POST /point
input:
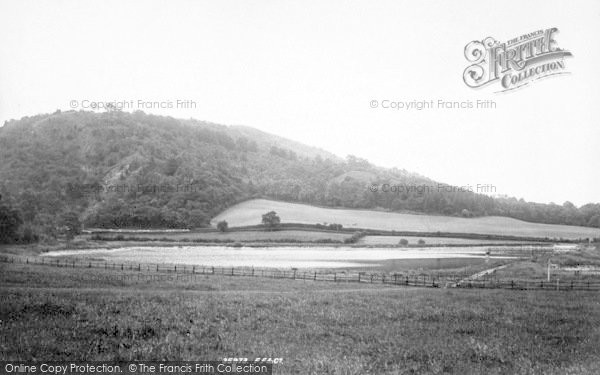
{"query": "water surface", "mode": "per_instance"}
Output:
(278, 257)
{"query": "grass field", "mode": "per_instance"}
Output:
(413, 240)
(250, 213)
(317, 328)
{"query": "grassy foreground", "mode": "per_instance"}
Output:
(317, 328)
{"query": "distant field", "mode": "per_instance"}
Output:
(317, 328)
(414, 240)
(250, 213)
(242, 236)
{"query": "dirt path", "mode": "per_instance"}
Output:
(479, 275)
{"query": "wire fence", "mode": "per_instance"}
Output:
(394, 279)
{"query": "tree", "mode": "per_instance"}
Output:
(421, 242)
(594, 221)
(271, 220)
(171, 167)
(222, 226)
(71, 224)
(404, 242)
(10, 221)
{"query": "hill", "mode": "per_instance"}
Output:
(271, 140)
(119, 169)
(249, 213)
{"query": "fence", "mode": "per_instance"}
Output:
(395, 279)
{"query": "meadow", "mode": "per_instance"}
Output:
(429, 241)
(317, 328)
(249, 213)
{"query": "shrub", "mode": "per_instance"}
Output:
(403, 242)
(355, 237)
(334, 226)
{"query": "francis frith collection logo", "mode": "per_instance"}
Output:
(514, 63)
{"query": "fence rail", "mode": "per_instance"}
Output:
(397, 279)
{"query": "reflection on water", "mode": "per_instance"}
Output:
(279, 257)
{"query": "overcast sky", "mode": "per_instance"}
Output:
(308, 70)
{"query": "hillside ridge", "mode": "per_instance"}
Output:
(119, 169)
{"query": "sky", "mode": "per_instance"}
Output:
(311, 71)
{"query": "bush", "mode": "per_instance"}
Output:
(355, 237)
(403, 242)
(421, 242)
